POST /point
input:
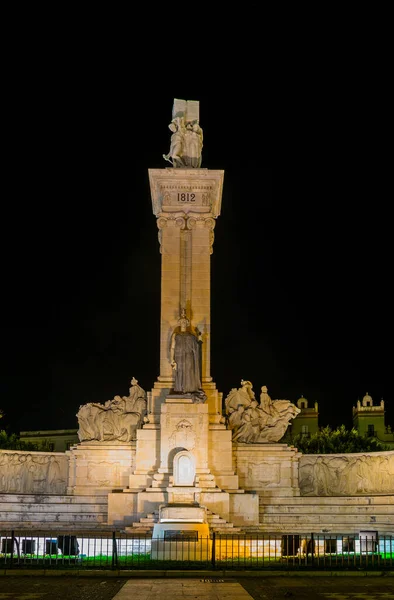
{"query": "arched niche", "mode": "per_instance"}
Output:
(184, 468)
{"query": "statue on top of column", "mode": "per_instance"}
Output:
(186, 360)
(187, 136)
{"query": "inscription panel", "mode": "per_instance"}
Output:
(185, 196)
(186, 190)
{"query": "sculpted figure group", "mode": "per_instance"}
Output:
(186, 143)
(252, 422)
(117, 419)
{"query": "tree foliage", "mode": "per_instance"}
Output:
(338, 441)
(11, 441)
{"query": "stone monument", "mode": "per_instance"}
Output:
(168, 458)
(184, 448)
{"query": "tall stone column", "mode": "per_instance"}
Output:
(186, 203)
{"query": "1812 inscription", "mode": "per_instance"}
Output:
(176, 198)
(186, 197)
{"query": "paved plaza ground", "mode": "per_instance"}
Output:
(276, 587)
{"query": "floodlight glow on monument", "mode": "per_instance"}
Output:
(182, 443)
(170, 460)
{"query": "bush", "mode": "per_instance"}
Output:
(338, 441)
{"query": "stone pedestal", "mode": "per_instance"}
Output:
(269, 469)
(100, 467)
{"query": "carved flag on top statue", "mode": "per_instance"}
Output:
(189, 109)
(186, 135)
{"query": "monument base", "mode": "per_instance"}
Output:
(269, 469)
(100, 467)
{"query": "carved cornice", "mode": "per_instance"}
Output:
(193, 190)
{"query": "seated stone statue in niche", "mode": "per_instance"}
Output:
(185, 361)
(254, 423)
(117, 419)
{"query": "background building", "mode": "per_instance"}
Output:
(55, 440)
(370, 420)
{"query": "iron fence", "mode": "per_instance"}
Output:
(116, 550)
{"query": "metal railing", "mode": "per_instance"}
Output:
(257, 551)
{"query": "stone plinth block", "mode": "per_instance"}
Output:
(227, 482)
(123, 509)
(269, 469)
(244, 509)
(150, 501)
(183, 494)
(147, 457)
(217, 502)
(220, 451)
(193, 514)
(100, 467)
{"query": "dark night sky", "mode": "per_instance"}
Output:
(302, 262)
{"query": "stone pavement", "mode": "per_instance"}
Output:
(235, 586)
(258, 588)
(188, 589)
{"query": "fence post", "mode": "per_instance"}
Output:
(213, 555)
(12, 548)
(114, 551)
(312, 549)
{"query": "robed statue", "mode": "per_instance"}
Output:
(185, 358)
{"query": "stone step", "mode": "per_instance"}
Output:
(227, 531)
(216, 520)
(44, 518)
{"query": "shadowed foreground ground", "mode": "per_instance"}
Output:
(277, 587)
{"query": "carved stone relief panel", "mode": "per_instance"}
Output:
(264, 473)
(183, 436)
(347, 474)
(103, 473)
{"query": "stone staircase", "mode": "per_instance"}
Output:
(145, 524)
(55, 513)
(215, 522)
(335, 514)
(219, 525)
